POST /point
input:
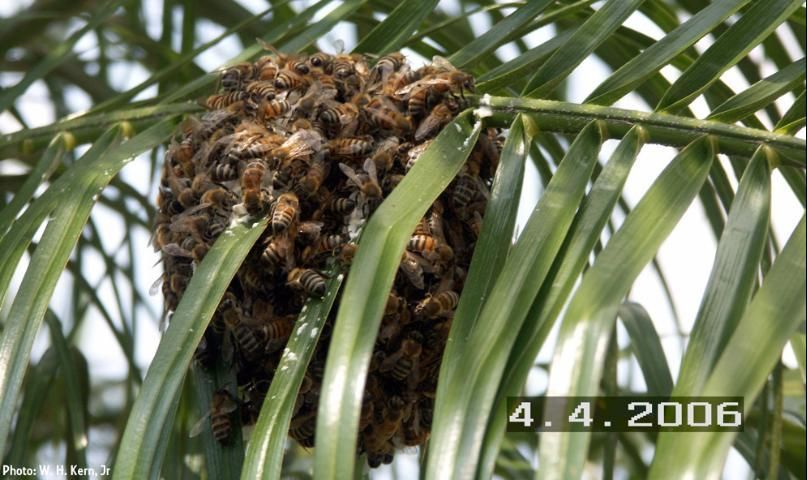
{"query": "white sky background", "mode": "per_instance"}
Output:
(686, 256)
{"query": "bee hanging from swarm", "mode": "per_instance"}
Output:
(314, 144)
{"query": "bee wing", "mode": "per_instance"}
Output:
(339, 46)
(199, 426)
(154, 289)
(228, 405)
(428, 126)
(176, 250)
(350, 173)
(442, 63)
(369, 167)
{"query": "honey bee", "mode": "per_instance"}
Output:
(261, 89)
(326, 244)
(344, 66)
(402, 362)
(272, 108)
(387, 117)
(414, 153)
(279, 252)
(301, 145)
(341, 205)
(183, 153)
(367, 183)
(430, 248)
(307, 280)
(466, 190)
(412, 269)
(314, 177)
(387, 423)
(285, 212)
(290, 80)
(308, 232)
(302, 428)
(439, 116)
(234, 76)
(339, 118)
(321, 61)
(387, 65)
(346, 254)
(298, 64)
(222, 100)
(221, 406)
(266, 68)
(253, 197)
(440, 305)
(420, 93)
(277, 331)
(384, 155)
(245, 336)
(224, 172)
(366, 415)
(203, 355)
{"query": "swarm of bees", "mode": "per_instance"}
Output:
(314, 143)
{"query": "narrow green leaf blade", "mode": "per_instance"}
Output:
(585, 40)
(733, 276)
(776, 311)
(264, 457)
(497, 34)
(367, 288)
(586, 329)
(574, 254)
(760, 94)
(162, 383)
(646, 346)
(395, 30)
(468, 383)
(56, 56)
(37, 176)
(659, 54)
(492, 246)
(756, 24)
(792, 121)
(74, 373)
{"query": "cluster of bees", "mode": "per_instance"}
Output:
(315, 143)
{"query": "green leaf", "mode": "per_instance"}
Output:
(155, 401)
(586, 329)
(760, 94)
(37, 387)
(468, 382)
(733, 277)
(264, 457)
(497, 34)
(370, 281)
(775, 312)
(520, 67)
(571, 259)
(585, 40)
(647, 347)
(55, 57)
(39, 174)
(29, 306)
(97, 122)
(395, 30)
(757, 23)
(75, 376)
(793, 120)
(659, 54)
(491, 248)
(222, 460)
